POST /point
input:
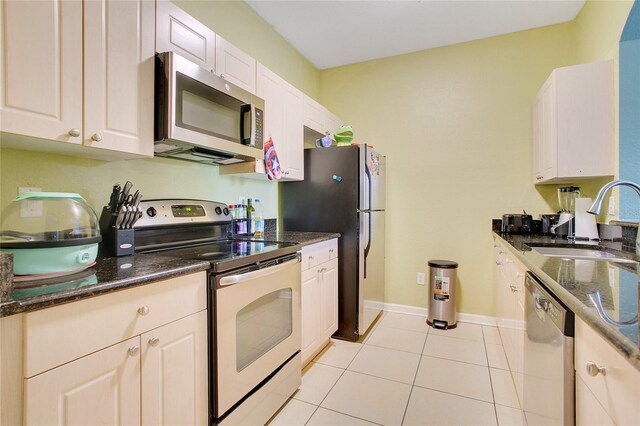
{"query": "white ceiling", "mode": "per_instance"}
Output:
(332, 33)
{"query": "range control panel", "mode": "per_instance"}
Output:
(179, 212)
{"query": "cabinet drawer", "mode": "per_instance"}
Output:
(63, 333)
(318, 253)
(619, 390)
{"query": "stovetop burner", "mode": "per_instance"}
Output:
(231, 254)
(201, 230)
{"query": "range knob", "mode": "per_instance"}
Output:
(151, 211)
(218, 211)
(225, 211)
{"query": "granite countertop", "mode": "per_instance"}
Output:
(572, 280)
(117, 273)
(302, 238)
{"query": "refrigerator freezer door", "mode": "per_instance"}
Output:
(371, 270)
(372, 179)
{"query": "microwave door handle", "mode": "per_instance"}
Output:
(245, 109)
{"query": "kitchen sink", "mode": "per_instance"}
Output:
(580, 253)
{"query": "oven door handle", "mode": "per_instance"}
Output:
(235, 279)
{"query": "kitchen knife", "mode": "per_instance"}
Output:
(121, 215)
(125, 193)
(113, 200)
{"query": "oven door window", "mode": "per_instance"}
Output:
(262, 325)
(206, 110)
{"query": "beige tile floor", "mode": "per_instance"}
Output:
(406, 373)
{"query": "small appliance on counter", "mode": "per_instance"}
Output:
(567, 198)
(517, 223)
(49, 234)
(548, 222)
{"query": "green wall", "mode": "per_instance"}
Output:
(236, 22)
(455, 124)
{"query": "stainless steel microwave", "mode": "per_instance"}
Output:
(202, 117)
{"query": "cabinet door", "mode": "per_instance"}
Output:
(332, 122)
(269, 88)
(314, 115)
(329, 298)
(118, 75)
(179, 32)
(234, 65)
(41, 69)
(549, 152)
(293, 132)
(311, 322)
(174, 373)
(100, 389)
(589, 412)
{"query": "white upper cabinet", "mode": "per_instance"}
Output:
(41, 69)
(71, 62)
(293, 132)
(573, 124)
(283, 121)
(235, 66)
(177, 31)
(332, 122)
(314, 115)
(118, 75)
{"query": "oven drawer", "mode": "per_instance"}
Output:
(63, 333)
(318, 253)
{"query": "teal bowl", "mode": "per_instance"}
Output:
(33, 261)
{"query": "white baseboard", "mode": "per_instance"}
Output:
(414, 310)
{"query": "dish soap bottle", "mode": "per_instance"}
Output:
(258, 219)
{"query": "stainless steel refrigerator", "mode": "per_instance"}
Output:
(344, 191)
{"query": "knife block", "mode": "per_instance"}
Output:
(118, 242)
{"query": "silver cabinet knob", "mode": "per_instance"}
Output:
(133, 351)
(143, 310)
(310, 257)
(96, 137)
(154, 341)
(330, 250)
(498, 263)
(223, 76)
(513, 288)
(74, 132)
(593, 369)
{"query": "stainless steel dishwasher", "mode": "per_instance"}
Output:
(549, 375)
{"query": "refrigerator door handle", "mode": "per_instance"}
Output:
(368, 246)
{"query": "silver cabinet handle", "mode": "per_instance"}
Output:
(154, 341)
(143, 310)
(74, 132)
(96, 137)
(593, 369)
(133, 351)
(513, 288)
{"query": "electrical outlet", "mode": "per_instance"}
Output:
(612, 206)
(30, 208)
(420, 278)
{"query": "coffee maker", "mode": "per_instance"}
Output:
(567, 198)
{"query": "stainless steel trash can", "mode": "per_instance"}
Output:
(442, 292)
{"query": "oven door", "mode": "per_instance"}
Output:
(256, 329)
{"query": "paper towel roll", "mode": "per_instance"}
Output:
(586, 226)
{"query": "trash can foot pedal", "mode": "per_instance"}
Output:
(442, 325)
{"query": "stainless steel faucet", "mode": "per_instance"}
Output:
(597, 204)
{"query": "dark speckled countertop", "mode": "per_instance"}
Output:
(572, 280)
(118, 273)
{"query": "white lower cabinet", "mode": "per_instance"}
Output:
(151, 366)
(174, 373)
(509, 312)
(609, 398)
(101, 388)
(319, 297)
